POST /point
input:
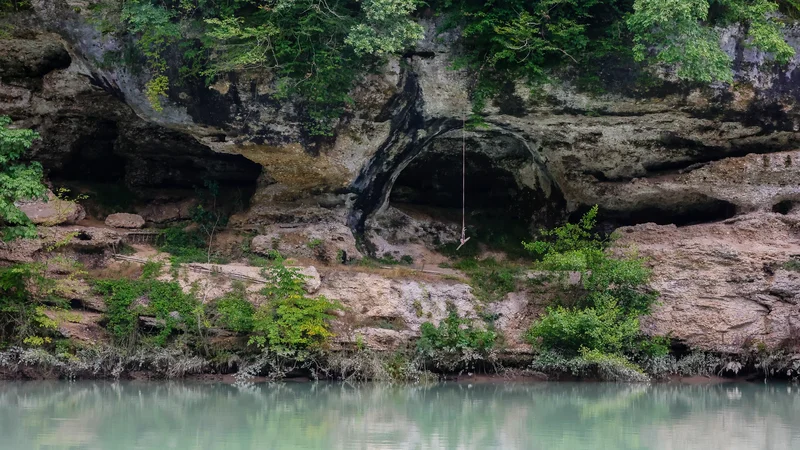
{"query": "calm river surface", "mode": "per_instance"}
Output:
(109, 416)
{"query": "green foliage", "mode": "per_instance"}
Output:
(155, 89)
(127, 299)
(234, 312)
(790, 7)
(187, 246)
(681, 34)
(576, 248)
(316, 51)
(122, 318)
(289, 322)
(385, 27)
(151, 270)
(22, 318)
(14, 5)
(155, 30)
(490, 279)
(454, 337)
(604, 316)
(17, 181)
(792, 264)
(386, 260)
(513, 40)
(604, 327)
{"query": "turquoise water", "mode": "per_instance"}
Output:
(109, 416)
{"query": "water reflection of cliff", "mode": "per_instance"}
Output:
(107, 416)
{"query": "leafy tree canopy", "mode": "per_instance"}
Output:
(318, 49)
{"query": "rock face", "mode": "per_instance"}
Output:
(326, 242)
(640, 154)
(124, 220)
(388, 312)
(727, 286)
(721, 159)
(79, 239)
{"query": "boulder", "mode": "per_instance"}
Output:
(125, 220)
(166, 212)
(54, 211)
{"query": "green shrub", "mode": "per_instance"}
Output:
(604, 316)
(151, 269)
(792, 264)
(127, 299)
(604, 327)
(455, 342)
(187, 247)
(17, 181)
(234, 312)
(14, 5)
(22, 318)
(289, 322)
(122, 319)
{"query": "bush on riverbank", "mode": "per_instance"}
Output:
(597, 323)
(22, 318)
(456, 343)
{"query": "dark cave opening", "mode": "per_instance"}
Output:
(435, 181)
(504, 196)
(700, 210)
(784, 207)
(120, 168)
(93, 158)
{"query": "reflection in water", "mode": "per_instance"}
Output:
(107, 416)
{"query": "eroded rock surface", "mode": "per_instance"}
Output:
(723, 157)
(724, 286)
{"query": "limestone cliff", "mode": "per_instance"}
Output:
(708, 177)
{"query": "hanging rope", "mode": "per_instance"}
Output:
(464, 237)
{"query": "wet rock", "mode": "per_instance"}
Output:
(124, 220)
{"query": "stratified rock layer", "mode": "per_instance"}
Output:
(728, 286)
(721, 159)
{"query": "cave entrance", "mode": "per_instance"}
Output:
(126, 167)
(507, 192)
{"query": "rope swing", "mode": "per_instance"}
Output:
(464, 237)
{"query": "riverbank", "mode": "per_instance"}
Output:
(170, 364)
